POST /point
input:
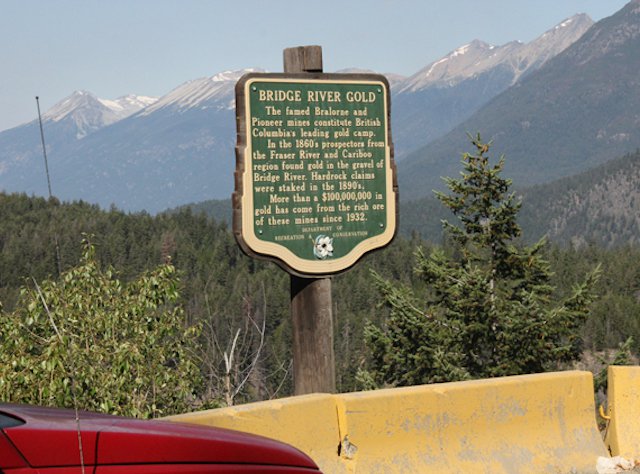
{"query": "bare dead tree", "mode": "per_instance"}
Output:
(229, 367)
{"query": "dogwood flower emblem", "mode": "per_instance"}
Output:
(323, 247)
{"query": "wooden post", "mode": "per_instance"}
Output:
(312, 322)
(311, 303)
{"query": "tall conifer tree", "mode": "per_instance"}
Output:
(488, 307)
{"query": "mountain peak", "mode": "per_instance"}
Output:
(90, 113)
(462, 63)
(551, 43)
(577, 18)
(451, 68)
(577, 110)
(609, 34)
(202, 93)
(76, 101)
(477, 57)
(84, 110)
(226, 76)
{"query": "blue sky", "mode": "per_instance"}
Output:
(112, 48)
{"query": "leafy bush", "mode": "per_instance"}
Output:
(91, 341)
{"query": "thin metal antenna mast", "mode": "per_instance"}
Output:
(44, 148)
(46, 167)
(55, 237)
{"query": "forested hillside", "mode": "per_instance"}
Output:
(600, 206)
(221, 287)
(227, 292)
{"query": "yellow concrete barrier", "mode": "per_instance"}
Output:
(527, 424)
(543, 423)
(308, 422)
(623, 400)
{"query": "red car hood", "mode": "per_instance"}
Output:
(49, 437)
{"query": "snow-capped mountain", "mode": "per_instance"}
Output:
(551, 43)
(577, 111)
(449, 90)
(476, 58)
(216, 91)
(180, 148)
(463, 63)
(88, 113)
(177, 149)
(70, 121)
(128, 104)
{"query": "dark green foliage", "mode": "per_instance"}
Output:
(600, 206)
(217, 209)
(225, 291)
(221, 289)
(488, 308)
(615, 315)
(622, 356)
(416, 347)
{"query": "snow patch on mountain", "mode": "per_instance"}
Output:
(89, 113)
(462, 63)
(551, 43)
(477, 57)
(216, 91)
(461, 50)
(129, 104)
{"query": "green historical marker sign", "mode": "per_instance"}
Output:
(315, 182)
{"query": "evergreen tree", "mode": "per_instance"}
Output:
(487, 308)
